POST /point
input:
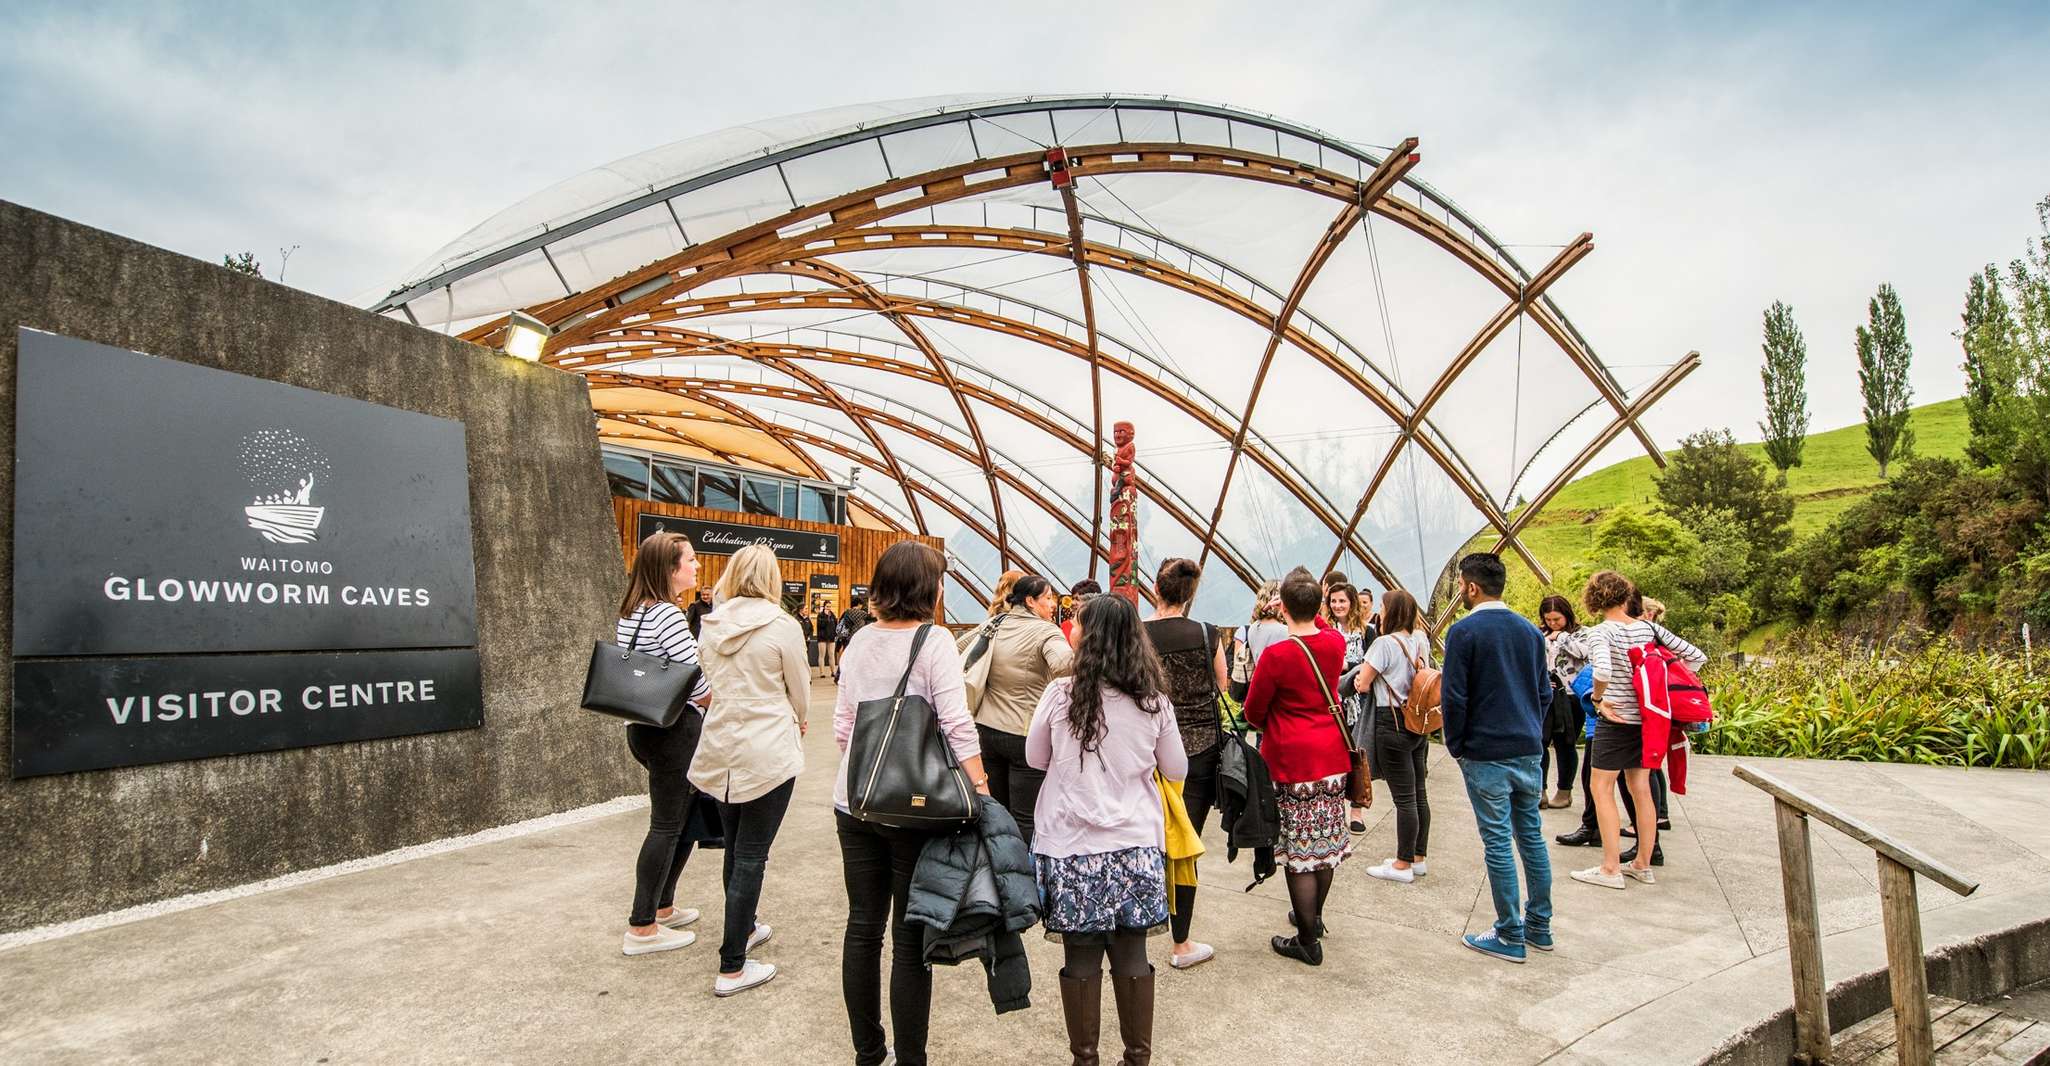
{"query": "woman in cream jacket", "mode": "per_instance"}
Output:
(752, 750)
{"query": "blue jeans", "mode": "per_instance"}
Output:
(1505, 795)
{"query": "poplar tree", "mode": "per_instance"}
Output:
(1785, 376)
(1883, 358)
(1988, 337)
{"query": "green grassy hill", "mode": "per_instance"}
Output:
(1835, 472)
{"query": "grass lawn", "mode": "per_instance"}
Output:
(1835, 472)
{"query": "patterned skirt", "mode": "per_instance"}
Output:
(1097, 895)
(1313, 831)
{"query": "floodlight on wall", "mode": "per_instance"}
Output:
(525, 336)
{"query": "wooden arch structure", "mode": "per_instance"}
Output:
(640, 284)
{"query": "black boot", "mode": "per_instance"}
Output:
(1658, 854)
(1582, 837)
(1135, 1016)
(1082, 1006)
(1293, 948)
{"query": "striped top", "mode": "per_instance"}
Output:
(1608, 650)
(664, 631)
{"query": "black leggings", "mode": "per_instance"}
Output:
(1013, 782)
(1404, 758)
(666, 754)
(878, 862)
(750, 829)
(1127, 951)
(1562, 736)
(1199, 795)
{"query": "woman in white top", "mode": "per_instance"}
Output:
(665, 567)
(1618, 747)
(1401, 757)
(878, 860)
(751, 752)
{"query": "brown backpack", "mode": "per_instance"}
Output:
(1420, 712)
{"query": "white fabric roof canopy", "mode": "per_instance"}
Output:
(893, 286)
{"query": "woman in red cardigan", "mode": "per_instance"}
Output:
(1289, 702)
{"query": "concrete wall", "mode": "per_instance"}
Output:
(548, 578)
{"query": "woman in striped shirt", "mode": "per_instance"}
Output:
(1618, 746)
(665, 567)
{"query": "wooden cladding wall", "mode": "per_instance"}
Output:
(859, 548)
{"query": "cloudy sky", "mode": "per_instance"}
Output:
(1722, 159)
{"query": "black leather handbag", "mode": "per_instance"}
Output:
(636, 686)
(900, 769)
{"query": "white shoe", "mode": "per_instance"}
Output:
(659, 940)
(760, 936)
(1387, 872)
(752, 975)
(1644, 876)
(1593, 875)
(683, 916)
(1197, 955)
(1420, 868)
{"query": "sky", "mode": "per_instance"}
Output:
(1723, 156)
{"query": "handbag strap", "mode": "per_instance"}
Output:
(633, 643)
(1330, 703)
(916, 642)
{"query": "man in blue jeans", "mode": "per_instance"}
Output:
(1495, 691)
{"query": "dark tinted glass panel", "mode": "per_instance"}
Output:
(762, 497)
(672, 484)
(627, 474)
(789, 508)
(718, 491)
(814, 505)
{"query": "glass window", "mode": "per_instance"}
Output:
(627, 474)
(789, 508)
(762, 496)
(721, 492)
(815, 505)
(672, 484)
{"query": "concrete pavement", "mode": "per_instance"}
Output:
(509, 951)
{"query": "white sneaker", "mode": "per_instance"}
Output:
(760, 936)
(1420, 868)
(659, 940)
(1387, 872)
(1197, 955)
(1645, 875)
(752, 974)
(1593, 875)
(683, 916)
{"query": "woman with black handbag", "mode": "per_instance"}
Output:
(665, 567)
(878, 859)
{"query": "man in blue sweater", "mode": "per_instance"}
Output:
(1495, 691)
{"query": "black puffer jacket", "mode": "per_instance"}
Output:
(974, 893)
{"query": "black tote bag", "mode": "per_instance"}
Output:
(900, 769)
(636, 686)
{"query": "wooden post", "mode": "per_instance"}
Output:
(1804, 936)
(1905, 974)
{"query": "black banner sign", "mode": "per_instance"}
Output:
(90, 714)
(161, 506)
(825, 581)
(725, 538)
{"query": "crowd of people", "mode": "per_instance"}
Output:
(1101, 745)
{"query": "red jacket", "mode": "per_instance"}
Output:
(1298, 737)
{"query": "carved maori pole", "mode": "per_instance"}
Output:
(1124, 517)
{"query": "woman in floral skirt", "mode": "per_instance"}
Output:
(1289, 701)
(1100, 832)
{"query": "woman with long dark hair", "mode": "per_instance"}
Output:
(878, 860)
(1192, 661)
(1101, 856)
(1401, 757)
(1564, 656)
(665, 567)
(1026, 653)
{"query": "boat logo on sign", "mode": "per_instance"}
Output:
(284, 468)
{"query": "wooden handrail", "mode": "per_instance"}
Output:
(1859, 831)
(1898, 864)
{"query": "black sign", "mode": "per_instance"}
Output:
(825, 581)
(725, 538)
(89, 714)
(165, 507)
(793, 595)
